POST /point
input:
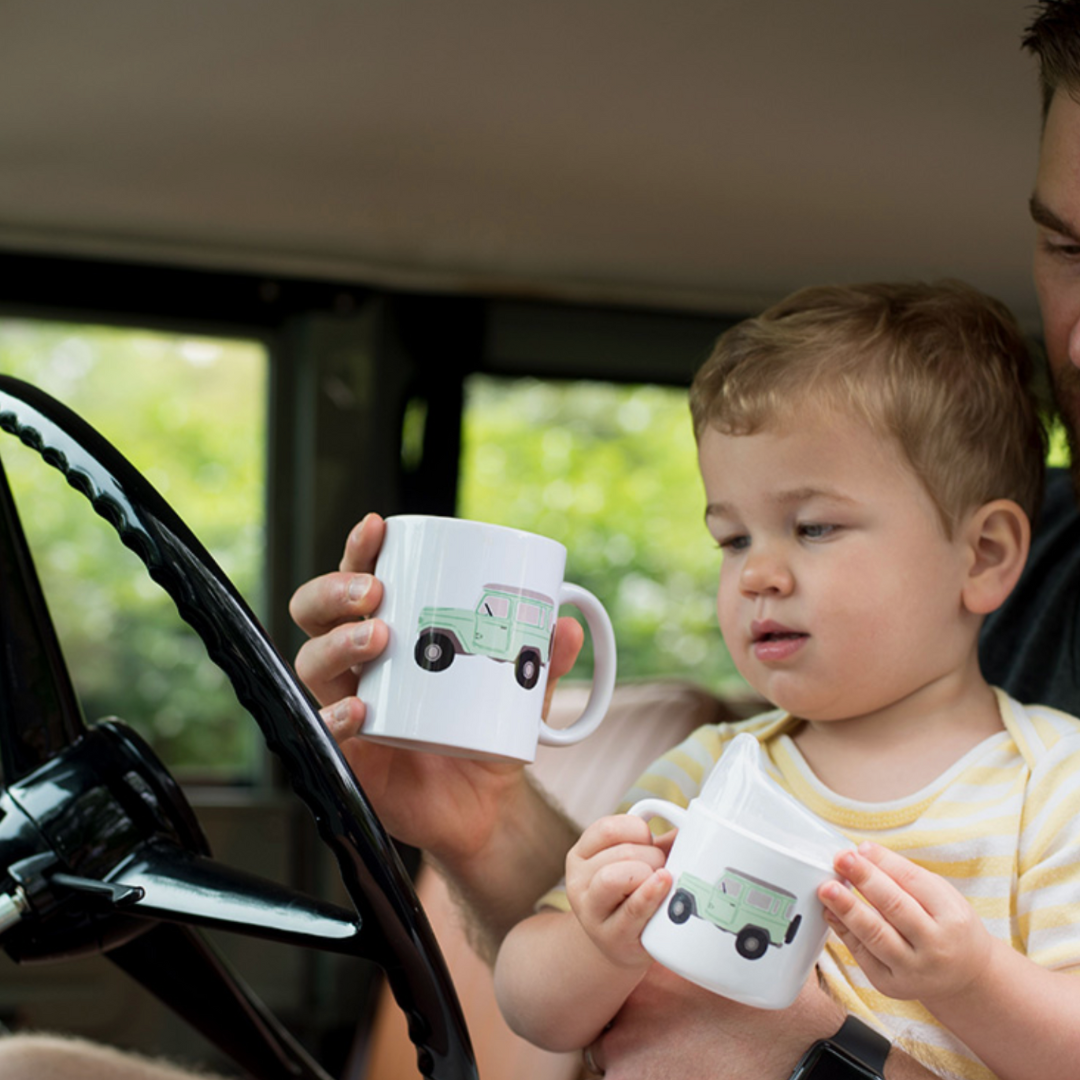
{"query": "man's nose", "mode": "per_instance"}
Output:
(766, 572)
(1074, 344)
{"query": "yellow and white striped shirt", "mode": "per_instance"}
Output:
(1002, 825)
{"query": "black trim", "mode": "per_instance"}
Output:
(95, 290)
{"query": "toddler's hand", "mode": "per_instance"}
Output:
(615, 880)
(916, 937)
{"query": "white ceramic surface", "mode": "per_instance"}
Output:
(471, 610)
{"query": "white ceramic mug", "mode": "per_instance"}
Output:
(742, 917)
(471, 609)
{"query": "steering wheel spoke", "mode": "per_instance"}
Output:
(180, 968)
(167, 882)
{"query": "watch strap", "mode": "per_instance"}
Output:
(863, 1043)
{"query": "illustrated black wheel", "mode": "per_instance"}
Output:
(434, 651)
(527, 668)
(138, 879)
(751, 942)
(792, 930)
(680, 906)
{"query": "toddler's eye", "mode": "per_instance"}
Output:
(734, 543)
(815, 531)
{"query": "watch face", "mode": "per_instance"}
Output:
(825, 1062)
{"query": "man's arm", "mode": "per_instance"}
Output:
(670, 1027)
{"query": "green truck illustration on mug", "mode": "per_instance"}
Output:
(508, 624)
(757, 913)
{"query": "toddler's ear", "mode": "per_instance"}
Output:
(998, 535)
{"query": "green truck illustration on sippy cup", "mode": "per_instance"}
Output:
(757, 913)
(507, 624)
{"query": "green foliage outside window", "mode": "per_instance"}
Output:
(189, 413)
(611, 472)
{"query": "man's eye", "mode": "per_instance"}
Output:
(1061, 248)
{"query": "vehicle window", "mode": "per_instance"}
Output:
(530, 614)
(190, 413)
(731, 888)
(761, 900)
(611, 472)
(495, 607)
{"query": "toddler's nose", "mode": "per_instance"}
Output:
(765, 572)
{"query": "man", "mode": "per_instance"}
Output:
(503, 845)
(1030, 645)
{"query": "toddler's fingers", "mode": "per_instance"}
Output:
(618, 881)
(932, 892)
(860, 926)
(641, 904)
(884, 892)
(615, 830)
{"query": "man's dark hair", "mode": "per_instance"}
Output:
(1054, 37)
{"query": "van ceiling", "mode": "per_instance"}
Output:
(701, 155)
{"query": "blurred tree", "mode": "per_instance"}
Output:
(611, 472)
(189, 413)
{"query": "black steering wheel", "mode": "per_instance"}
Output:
(100, 851)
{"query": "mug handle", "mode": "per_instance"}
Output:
(661, 808)
(603, 683)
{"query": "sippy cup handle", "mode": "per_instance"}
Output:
(661, 808)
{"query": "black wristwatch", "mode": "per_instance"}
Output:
(855, 1052)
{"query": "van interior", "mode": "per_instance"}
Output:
(389, 200)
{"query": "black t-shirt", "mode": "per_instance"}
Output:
(1030, 646)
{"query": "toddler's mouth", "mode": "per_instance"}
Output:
(776, 644)
(770, 631)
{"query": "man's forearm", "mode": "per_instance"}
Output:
(525, 857)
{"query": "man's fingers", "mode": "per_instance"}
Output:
(344, 718)
(351, 592)
(569, 637)
(362, 546)
(332, 599)
(329, 664)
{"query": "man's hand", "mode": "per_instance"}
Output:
(500, 843)
(615, 880)
(915, 936)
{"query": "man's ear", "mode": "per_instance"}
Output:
(998, 536)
